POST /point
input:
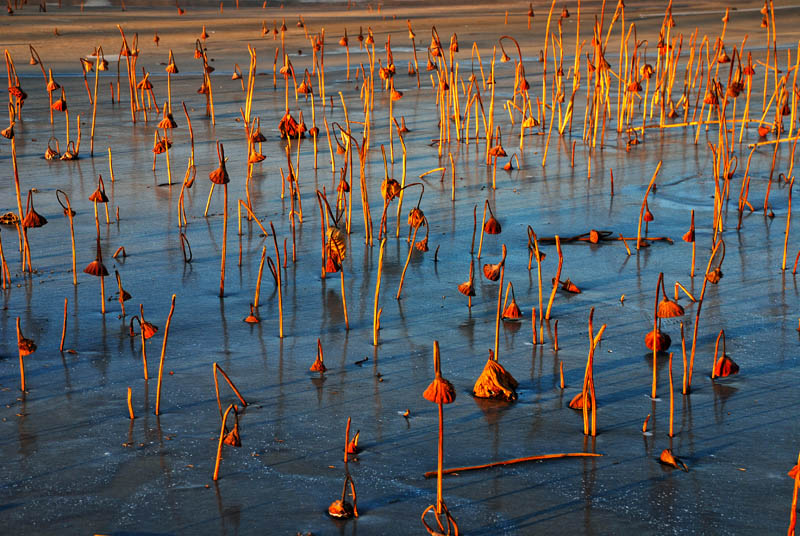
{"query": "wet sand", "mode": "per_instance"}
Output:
(75, 463)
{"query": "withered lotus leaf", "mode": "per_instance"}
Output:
(491, 271)
(594, 236)
(390, 189)
(26, 346)
(467, 288)
(668, 458)
(148, 329)
(337, 241)
(663, 341)
(793, 471)
(256, 157)
(352, 445)
(669, 309)
(33, 219)
(512, 312)
(220, 175)
(318, 366)
(495, 382)
(232, 438)
(492, 226)
(440, 391)
(578, 401)
(416, 217)
(571, 287)
(714, 275)
(96, 268)
(8, 133)
(168, 121)
(689, 236)
(725, 366)
(341, 509)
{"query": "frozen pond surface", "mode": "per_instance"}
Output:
(75, 463)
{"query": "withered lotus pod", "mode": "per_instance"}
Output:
(524, 85)
(723, 57)
(9, 218)
(710, 98)
(396, 95)
(313, 132)
(495, 382)
(385, 73)
(26, 346)
(370, 40)
(343, 186)
(422, 245)
(431, 66)
(648, 216)
(161, 145)
(492, 226)
(785, 110)
(492, 271)
(508, 166)
(565, 13)
(440, 391)
(668, 458)
(8, 133)
(504, 58)
(725, 366)
(220, 175)
(454, 44)
(390, 189)
(647, 70)
(236, 75)
(541, 56)
(669, 309)
(203, 89)
(318, 365)
(204, 35)
(341, 509)
(578, 401)
(793, 471)
(530, 10)
(303, 88)
(764, 22)
(343, 40)
(689, 236)
(168, 121)
(594, 236)
(512, 312)
(663, 341)
(749, 71)
(415, 217)
(714, 275)
(467, 288)
(283, 25)
(530, 122)
(763, 130)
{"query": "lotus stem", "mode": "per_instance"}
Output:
(163, 354)
(219, 444)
